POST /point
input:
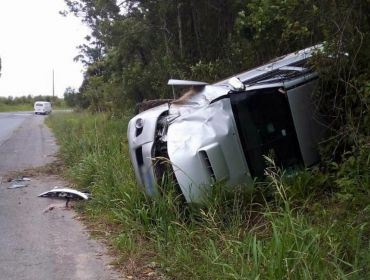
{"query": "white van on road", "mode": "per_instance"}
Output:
(42, 107)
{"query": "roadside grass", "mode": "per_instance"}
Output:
(14, 108)
(310, 225)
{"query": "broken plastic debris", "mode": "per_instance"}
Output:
(67, 193)
(17, 186)
(18, 182)
(21, 179)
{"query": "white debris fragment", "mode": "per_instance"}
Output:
(17, 186)
(21, 179)
(67, 193)
(26, 179)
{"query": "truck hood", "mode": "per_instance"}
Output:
(203, 147)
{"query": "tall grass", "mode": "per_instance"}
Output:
(277, 232)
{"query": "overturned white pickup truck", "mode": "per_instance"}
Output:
(222, 131)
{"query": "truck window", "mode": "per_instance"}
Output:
(265, 127)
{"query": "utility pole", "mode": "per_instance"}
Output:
(53, 84)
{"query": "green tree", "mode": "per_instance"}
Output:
(137, 45)
(70, 96)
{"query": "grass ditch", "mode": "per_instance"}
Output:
(312, 225)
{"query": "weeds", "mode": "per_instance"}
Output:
(290, 227)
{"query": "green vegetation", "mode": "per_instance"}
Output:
(25, 103)
(314, 225)
(15, 108)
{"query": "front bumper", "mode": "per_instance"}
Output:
(141, 142)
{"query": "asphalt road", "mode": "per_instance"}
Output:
(39, 237)
(25, 141)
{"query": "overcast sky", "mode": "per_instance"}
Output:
(34, 40)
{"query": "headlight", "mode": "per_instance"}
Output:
(139, 123)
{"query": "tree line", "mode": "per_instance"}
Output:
(135, 46)
(30, 100)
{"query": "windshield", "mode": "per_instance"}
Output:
(266, 128)
(39, 105)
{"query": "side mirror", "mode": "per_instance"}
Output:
(236, 84)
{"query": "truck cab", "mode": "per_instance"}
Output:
(222, 132)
